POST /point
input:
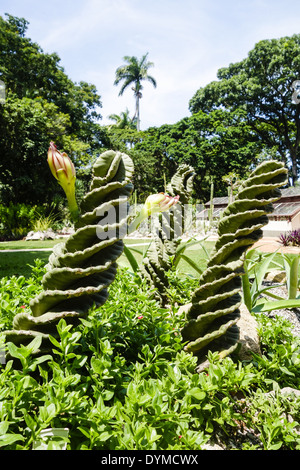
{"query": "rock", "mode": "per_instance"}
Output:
(29, 235)
(276, 276)
(286, 391)
(41, 235)
(183, 309)
(249, 338)
(211, 446)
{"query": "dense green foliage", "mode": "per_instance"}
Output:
(121, 380)
(213, 144)
(237, 121)
(42, 104)
(259, 93)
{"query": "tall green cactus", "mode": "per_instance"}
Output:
(181, 184)
(214, 309)
(168, 232)
(81, 268)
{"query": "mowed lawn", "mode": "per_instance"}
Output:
(14, 260)
(19, 262)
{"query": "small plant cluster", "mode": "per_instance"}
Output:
(121, 380)
(16, 220)
(15, 292)
(291, 238)
(256, 295)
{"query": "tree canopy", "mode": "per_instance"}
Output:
(260, 90)
(42, 104)
(247, 115)
(215, 144)
(134, 72)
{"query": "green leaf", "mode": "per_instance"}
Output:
(55, 342)
(14, 351)
(247, 288)
(132, 260)
(31, 423)
(275, 446)
(47, 413)
(197, 393)
(266, 306)
(97, 365)
(29, 382)
(85, 431)
(3, 427)
(291, 264)
(260, 273)
(107, 395)
(42, 359)
(8, 439)
(192, 264)
(286, 371)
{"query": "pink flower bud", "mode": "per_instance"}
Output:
(63, 170)
(60, 165)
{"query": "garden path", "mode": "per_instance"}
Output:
(270, 244)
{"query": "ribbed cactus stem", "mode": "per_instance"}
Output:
(214, 309)
(80, 270)
(167, 236)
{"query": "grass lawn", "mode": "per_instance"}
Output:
(28, 245)
(18, 262)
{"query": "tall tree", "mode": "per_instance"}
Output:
(42, 104)
(122, 121)
(134, 73)
(262, 87)
(214, 144)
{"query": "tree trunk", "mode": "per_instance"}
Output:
(137, 112)
(293, 156)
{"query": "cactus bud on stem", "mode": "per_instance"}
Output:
(63, 170)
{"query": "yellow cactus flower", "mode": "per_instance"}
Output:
(154, 203)
(160, 202)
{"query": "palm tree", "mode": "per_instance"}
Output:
(122, 120)
(134, 73)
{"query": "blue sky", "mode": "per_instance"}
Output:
(188, 41)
